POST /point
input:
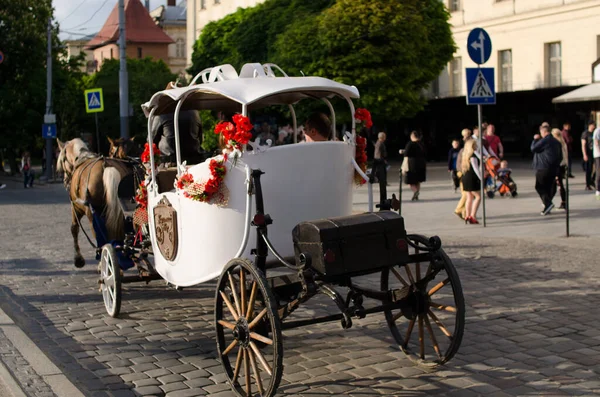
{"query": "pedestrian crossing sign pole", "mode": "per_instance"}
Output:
(94, 103)
(480, 88)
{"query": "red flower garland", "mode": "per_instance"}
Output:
(145, 156)
(361, 159)
(142, 196)
(237, 133)
(363, 114)
(209, 191)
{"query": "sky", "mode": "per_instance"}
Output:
(83, 17)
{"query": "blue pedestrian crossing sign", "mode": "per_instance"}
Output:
(480, 86)
(49, 131)
(93, 100)
(479, 46)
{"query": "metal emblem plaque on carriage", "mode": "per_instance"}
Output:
(275, 225)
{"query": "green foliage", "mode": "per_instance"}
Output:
(146, 77)
(23, 27)
(249, 34)
(391, 50)
(210, 140)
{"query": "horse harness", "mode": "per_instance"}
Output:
(89, 166)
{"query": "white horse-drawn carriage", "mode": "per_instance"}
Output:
(275, 225)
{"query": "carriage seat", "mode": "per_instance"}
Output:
(165, 179)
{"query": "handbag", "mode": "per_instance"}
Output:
(404, 166)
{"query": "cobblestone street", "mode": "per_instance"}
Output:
(532, 326)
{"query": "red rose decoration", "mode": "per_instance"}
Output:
(363, 114)
(145, 156)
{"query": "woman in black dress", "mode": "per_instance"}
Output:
(471, 180)
(415, 158)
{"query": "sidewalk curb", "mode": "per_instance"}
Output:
(7, 382)
(41, 364)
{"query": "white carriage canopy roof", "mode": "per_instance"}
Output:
(255, 92)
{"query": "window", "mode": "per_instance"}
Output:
(139, 52)
(180, 48)
(553, 65)
(111, 54)
(203, 4)
(505, 60)
(454, 5)
(456, 76)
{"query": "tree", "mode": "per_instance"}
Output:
(146, 77)
(390, 50)
(249, 34)
(23, 26)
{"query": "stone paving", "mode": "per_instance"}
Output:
(532, 324)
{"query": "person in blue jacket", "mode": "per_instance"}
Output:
(547, 156)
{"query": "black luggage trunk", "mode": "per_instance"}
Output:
(352, 245)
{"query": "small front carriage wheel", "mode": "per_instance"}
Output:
(430, 322)
(110, 280)
(248, 330)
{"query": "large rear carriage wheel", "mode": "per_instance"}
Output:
(110, 280)
(248, 330)
(429, 327)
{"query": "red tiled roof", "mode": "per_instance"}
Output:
(139, 27)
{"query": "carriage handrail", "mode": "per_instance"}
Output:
(176, 123)
(248, 182)
(150, 140)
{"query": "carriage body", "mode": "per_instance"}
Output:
(302, 180)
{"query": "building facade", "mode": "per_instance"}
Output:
(540, 49)
(171, 18)
(144, 38)
(536, 44)
(201, 12)
(76, 47)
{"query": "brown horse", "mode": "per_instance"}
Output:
(92, 182)
(120, 147)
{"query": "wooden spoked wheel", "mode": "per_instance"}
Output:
(248, 330)
(110, 280)
(429, 327)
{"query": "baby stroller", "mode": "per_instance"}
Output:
(498, 179)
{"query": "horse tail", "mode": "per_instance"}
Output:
(114, 211)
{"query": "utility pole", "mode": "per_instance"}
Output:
(123, 79)
(49, 118)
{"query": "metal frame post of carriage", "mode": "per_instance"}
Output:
(322, 248)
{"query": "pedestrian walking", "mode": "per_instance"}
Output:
(547, 156)
(562, 171)
(460, 207)
(471, 180)
(452, 157)
(587, 143)
(568, 139)
(596, 153)
(493, 141)
(380, 166)
(28, 174)
(414, 164)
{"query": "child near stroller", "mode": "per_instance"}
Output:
(504, 182)
(498, 178)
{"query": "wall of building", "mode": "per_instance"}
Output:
(155, 51)
(201, 12)
(525, 27)
(177, 60)
(76, 47)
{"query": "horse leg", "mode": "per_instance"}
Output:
(75, 217)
